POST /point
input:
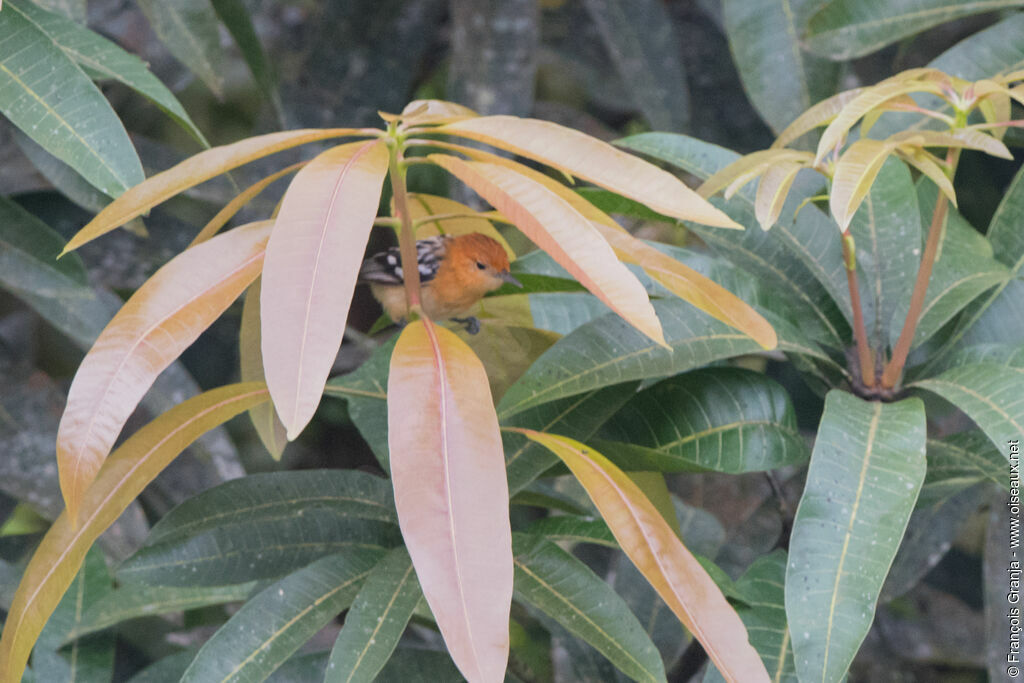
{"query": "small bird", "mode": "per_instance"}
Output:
(455, 273)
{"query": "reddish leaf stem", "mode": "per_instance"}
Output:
(867, 365)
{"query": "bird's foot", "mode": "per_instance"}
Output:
(472, 324)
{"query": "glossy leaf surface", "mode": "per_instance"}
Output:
(189, 29)
(44, 93)
(272, 625)
(312, 264)
(162, 318)
(568, 591)
(376, 620)
(866, 470)
(452, 497)
(646, 538)
(722, 419)
(123, 477)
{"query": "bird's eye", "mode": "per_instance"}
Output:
(481, 266)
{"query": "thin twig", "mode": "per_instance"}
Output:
(860, 334)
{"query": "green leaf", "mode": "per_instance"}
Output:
(779, 78)
(1004, 229)
(723, 419)
(56, 289)
(866, 470)
(577, 417)
(610, 202)
(996, 49)
(793, 259)
(641, 40)
(72, 9)
(64, 179)
(189, 30)
(166, 670)
(574, 529)
(106, 60)
(238, 22)
(132, 601)
(366, 392)
(959, 461)
(845, 29)
(567, 591)
(1001, 353)
(765, 619)
(260, 498)
(279, 620)
(85, 661)
(45, 94)
(989, 393)
(608, 351)
(930, 534)
(245, 530)
(964, 270)
(887, 231)
(376, 620)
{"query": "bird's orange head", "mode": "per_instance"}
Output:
(479, 262)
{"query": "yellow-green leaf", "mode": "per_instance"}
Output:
(313, 260)
(649, 542)
(194, 170)
(854, 174)
(159, 321)
(123, 477)
(448, 470)
(746, 168)
(429, 112)
(591, 159)
(773, 190)
(928, 166)
(559, 229)
(818, 115)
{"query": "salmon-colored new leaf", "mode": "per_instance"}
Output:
(448, 470)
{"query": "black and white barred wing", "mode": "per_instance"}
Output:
(386, 267)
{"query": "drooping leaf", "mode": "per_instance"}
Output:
(155, 325)
(866, 471)
(854, 176)
(272, 625)
(658, 553)
(772, 192)
(108, 61)
(124, 475)
(426, 112)
(250, 360)
(189, 30)
(990, 395)
(450, 490)
(1004, 231)
(558, 228)
(722, 419)
(313, 260)
(781, 80)
(821, 114)
(567, 591)
(642, 43)
(607, 351)
(134, 601)
(588, 158)
(845, 29)
(795, 258)
(744, 169)
(677, 277)
(193, 171)
(45, 94)
(765, 619)
(376, 620)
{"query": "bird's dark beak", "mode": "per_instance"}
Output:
(507, 277)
